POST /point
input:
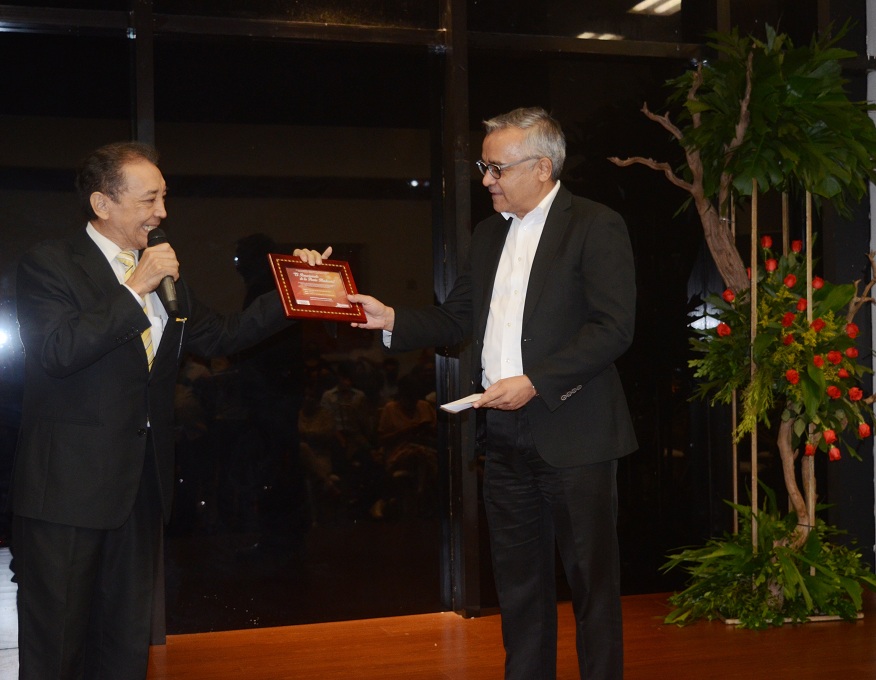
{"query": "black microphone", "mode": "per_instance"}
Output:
(167, 288)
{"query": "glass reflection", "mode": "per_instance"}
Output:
(308, 474)
(659, 20)
(398, 13)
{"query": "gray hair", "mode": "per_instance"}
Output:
(544, 136)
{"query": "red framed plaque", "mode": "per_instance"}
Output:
(316, 291)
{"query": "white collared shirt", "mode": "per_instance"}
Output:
(502, 355)
(154, 309)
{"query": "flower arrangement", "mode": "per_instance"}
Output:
(802, 363)
(808, 368)
(769, 116)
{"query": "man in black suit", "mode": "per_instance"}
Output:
(548, 300)
(93, 473)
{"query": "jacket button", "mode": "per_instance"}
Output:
(141, 432)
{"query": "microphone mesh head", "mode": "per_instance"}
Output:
(155, 237)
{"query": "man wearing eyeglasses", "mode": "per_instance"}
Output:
(548, 300)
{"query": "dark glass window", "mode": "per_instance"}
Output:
(398, 13)
(308, 470)
(657, 20)
(65, 96)
(69, 4)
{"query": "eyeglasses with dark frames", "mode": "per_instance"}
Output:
(495, 170)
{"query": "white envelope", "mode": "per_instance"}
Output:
(461, 404)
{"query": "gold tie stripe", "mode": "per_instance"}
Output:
(126, 257)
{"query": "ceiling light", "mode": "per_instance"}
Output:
(657, 7)
(590, 35)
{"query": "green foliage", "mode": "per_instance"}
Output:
(772, 584)
(809, 370)
(803, 133)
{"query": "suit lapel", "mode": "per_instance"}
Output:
(546, 254)
(87, 256)
(492, 253)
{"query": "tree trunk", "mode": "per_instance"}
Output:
(798, 502)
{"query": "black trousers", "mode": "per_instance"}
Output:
(85, 595)
(532, 507)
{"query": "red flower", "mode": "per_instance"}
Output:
(852, 330)
(829, 436)
(818, 360)
(748, 271)
(852, 353)
(788, 319)
(809, 450)
(797, 246)
(843, 373)
(818, 324)
(766, 241)
(834, 392)
(817, 282)
(723, 330)
(855, 393)
(792, 376)
(801, 305)
(771, 265)
(728, 295)
(834, 453)
(788, 339)
(790, 280)
(863, 430)
(834, 357)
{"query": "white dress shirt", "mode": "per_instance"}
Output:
(154, 309)
(502, 355)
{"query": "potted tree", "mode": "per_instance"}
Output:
(770, 117)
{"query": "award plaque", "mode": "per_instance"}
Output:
(316, 291)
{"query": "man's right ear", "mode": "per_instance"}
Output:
(99, 204)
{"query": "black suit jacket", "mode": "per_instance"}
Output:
(88, 391)
(578, 318)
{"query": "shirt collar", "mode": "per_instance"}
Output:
(107, 247)
(541, 210)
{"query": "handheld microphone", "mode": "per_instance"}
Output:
(167, 288)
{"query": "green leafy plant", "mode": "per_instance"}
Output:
(765, 113)
(770, 583)
(801, 130)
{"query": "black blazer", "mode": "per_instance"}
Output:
(88, 392)
(578, 318)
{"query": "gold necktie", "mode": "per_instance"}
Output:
(126, 257)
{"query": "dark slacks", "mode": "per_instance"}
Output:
(532, 506)
(85, 595)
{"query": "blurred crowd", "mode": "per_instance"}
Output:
(277, 439)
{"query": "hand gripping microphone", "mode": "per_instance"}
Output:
(167, 288)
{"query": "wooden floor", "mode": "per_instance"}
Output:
(446, 646)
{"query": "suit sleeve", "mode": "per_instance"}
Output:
(444, 325)
(215, 334)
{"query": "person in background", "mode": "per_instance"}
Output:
(406, 418)
(407, 436)
(94, 470)
(548, 301)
